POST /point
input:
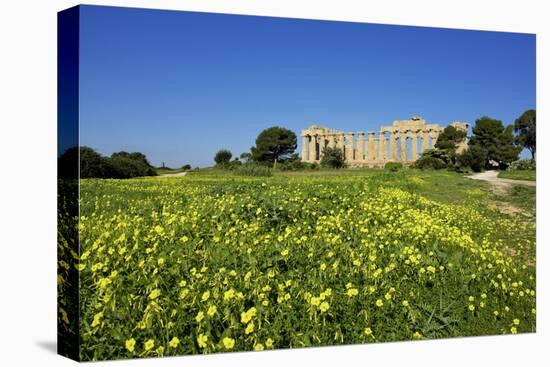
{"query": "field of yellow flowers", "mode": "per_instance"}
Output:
(203, 264)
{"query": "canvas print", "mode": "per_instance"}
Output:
(243, 183)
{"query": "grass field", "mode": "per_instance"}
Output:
(207, 262)
(529, 175)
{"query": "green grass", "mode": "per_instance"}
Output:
(319, 256)
(524, 197)
(530, 175)
(441, 185)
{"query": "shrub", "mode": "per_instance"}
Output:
(474, 157)
(234, 164)
(523, 165)
(393, 166)
(186, 167)
(124, 167)
(427, 162)
(94, 165)
(333, 158)
(292, 165)
(252, 169)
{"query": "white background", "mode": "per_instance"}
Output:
(28, 181)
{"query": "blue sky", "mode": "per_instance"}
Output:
(178, 86)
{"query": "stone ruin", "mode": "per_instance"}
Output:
(404, 141)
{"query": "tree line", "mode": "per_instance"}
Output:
(274, 147)
(492, 145)
(94, 165)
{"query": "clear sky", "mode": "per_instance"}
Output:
(178, 86)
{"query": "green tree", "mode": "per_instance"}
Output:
(133, 164)
(525, 127)
(474, 157)
(222, 157)
(333, 158)
(497, 140)
(449, 138)
(135, 156)
(275, 144)
(92, 164)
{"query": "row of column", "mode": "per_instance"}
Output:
(369, 149)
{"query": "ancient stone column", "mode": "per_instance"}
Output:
(425, 145)
(403, 146)
(341, 142)
(376, 146)
(349, 147)
(305, 157)
(313, 148)
(360, 156)
(393, 146)
(322, 143)
(414, 147)
(383, 147)
(371, 147)
(332, 141)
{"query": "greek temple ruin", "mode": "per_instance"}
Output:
(404, 141)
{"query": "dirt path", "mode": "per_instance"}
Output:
(501, 187)
(179, 174)
(492, 177)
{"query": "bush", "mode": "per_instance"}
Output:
(393, 166)
(523, 165)
(234, 164)
(94, 165)
(186, 167)
(252, 169)
(430, 163)
(333, 158)
(292, 165)
(124, 167)
(474, 157)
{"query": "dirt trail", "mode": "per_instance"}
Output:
(501, 187)
(492, 177)
(173, 174)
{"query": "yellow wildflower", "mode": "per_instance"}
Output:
(228, 343)
(202, 339)
(174, 342)
(212, 310)
(149, 344)
(130, 344)
(199, 316)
